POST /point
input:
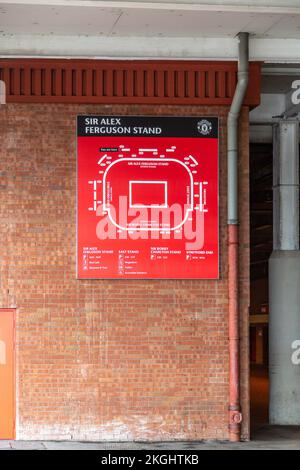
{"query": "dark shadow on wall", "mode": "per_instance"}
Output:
(261, 239)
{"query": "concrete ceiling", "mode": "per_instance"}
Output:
(148, 29)
(103, 18)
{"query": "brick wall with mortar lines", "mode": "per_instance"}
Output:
(108, 360)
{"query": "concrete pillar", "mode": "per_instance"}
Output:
(284, 278)
(286, 185)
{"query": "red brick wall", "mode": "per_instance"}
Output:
(107, 360)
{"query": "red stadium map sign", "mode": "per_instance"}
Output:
(147, 201)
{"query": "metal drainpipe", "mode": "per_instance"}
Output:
(235, 416)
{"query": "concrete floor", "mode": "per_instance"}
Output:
(263, 436)
(267, 437)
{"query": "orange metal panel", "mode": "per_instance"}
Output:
(7, 374)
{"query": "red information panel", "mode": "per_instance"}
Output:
(147, 202)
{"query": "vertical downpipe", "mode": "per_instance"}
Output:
(235, 415)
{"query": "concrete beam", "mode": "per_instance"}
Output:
(221, 48)
(117, 47)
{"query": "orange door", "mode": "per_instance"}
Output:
(7, 374)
